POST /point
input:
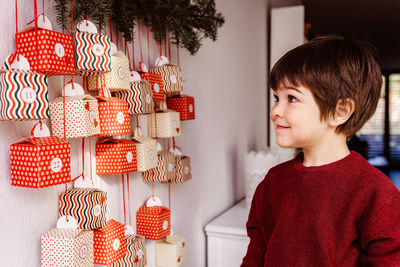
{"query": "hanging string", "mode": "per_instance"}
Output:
(140, 42)
(129, 199)
(169, 47)
(16, 17)
(148, 46)
(90, 158)
(152, 188)
(177, 53)
(165, 45)
(72, 32)
(127, 53)
(173, 143)
(35, 19)
(123, 197)
(169, 195)
(133, 51)
(43, 9)
(109, 24)
(137, 121)
(83, 158)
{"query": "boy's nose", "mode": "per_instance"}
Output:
(275, 112)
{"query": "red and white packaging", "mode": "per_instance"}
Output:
(183, 104)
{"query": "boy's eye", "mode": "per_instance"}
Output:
(292, 99)
(276, 98)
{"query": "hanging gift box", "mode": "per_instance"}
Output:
(92, 50)
(164, 123)
(136, 252)
(171, 252)
(109, 243)
(139, 98)
(87, 206)
(23, 94)
(171, 75)
(165, 169)
(41, 160)
(184, 105)
(116, 156)
(157, 85)
(115, 80)
(113, 114)
(182, 170)
(153, 220)
(77, 112)
(67, 247)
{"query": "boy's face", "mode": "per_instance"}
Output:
(296, 118)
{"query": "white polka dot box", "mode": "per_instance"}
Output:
(87, 206)
(81, 116)
(114, 116)
(157, 85)
(23, 94)
(116, 156)
(109, 243)
(183, 171)
(40, 162)
(136, 253)
(171, 251)
(153, 222)
(146, 151)
(92, 53)
(139, 98)
(171, 75)
(115, 80)
(164, 123)
(67, 247)
(183, 104)
(165, 169)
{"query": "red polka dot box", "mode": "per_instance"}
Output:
(153, 220)
(165, 169)
(139, 98)
(109, 243)
(136, 252)
(40, 162)
(116, 156)
(164, 123)
(157, 85)
(183, 104)
(171, 252)
(171, 75)
(67, 247)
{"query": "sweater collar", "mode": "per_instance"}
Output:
(298, 164)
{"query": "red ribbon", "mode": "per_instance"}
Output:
(109, 23)
(140, 42)
(148, 46)
(129, 199)
(123, 197)
(133, 51)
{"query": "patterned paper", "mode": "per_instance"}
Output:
(67, 247)
(171, 75)
(116, 156)
(182, 170)
(184, 105)
(23, 96)
(114, 116)
(81, 116)
(153, 222)
(164, 123)
(157, 85)
(109, 243)
(139, 98)
(40, 162)
(165, 169)
(136, 254)
(87, 206)
(146, 150)
(171, 252)
(47, 51)
(92, 53)
(115, 80)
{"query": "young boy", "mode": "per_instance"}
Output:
(328, 206)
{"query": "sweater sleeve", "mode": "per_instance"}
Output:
(380, 238)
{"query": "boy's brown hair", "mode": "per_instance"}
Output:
(333, 68)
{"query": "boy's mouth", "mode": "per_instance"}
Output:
(281, 127)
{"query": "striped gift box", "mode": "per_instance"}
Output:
(23, 96)
(171, 252)
(114, 116)
(136, 253)
(183, 104)
(115, 80)
(165, 169)
(92, 54)
(40, 162)
(139, 98)
(146, 151)
(182, 170)
(67, 247)
(157, 85)
(109, 243)
(87, 206)
(171, 75)
(164, 124)
(116, 156)
(47, 51)
(153, 222)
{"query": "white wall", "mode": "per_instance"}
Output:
(227, 79)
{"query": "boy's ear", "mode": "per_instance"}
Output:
(344, 109)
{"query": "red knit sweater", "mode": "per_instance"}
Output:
(346, 213)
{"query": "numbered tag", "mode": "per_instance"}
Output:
(162, 60)
(40, 130)
(186, 170)
(97, 210)
(28, 95)
(98, 50)
(116, 244)
(68, 222)
(165, 225)
(86, 26)
(129, 230)
(59, 49)
(170, 167)
(143, 67)
(148, 99)
(190, 108)
(83, 182)
(83, 251)
(121, 73)
(177, 151)
(91, 116)
(156, 88)
(174, 124)
(73, 89)
(129, 157)
(120, 117)
(113, 48)
(17, 62)
(173, 79)
(153, 202)
(134, 77)
(56, 165)
(151, 154)
(44, 23)
(140, 254)
(159, 148)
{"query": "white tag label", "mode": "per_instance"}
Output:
(120, 117)
(83, 251)
(129, 157)
(56, 165)
(116, 244)
(28, 95)
(148, 99)
(139, 254)
(156, 88)
(174, 124)
(98, 50)
(173, 79)
(121, 72)
(170, 167)
(165, 225)
(91, 116)
(44, 22)
(134, 77)
(151, 154)
(59, 49)
(97, 210)
(67, 222)
(190, 108)
(186, 170)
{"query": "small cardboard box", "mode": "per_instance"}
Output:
(171, 75)
(182, 170)
(164, 124)
(146, 150)
(183, 104)
(153, 222)
(171, 252)
(165, 169)
(116, 156)
(157, 84)
(139, 98)
(136, 253)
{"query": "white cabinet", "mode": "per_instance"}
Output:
(227, 239)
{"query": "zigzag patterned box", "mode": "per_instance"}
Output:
(165, 169)
(182, 170)
(139, 98)
(171, 75)
(136, 254)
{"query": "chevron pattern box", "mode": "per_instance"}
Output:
(136, 253)
(165, 169)
(171, 75)
(139, 98)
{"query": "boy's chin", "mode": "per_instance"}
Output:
(285, 145)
